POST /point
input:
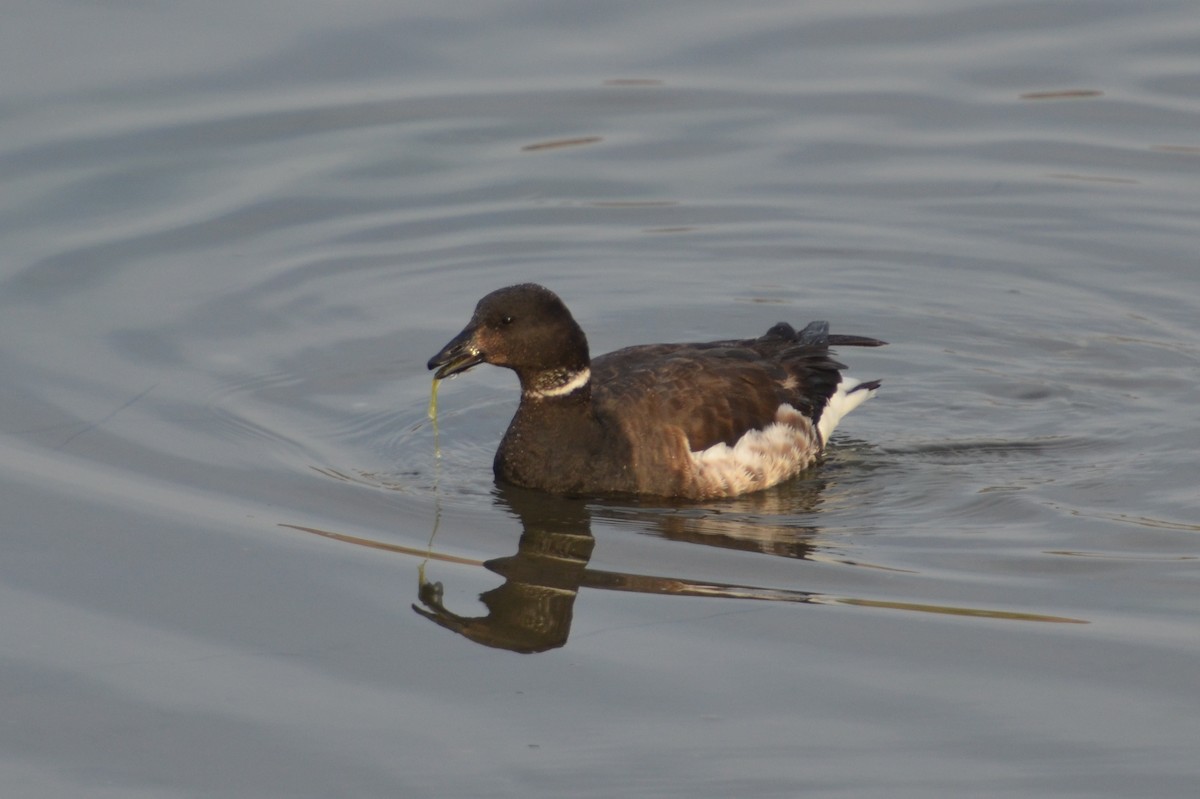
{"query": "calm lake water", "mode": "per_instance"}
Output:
(232, 562)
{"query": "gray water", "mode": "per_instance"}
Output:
(232, 562)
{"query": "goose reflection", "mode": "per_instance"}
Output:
(765, 522)
(532, 610)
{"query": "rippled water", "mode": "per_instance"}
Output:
(235, 563)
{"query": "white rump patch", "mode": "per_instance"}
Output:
(759, 459)
(570, 385)
(848, 396)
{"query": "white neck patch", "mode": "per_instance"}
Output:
(573, 383)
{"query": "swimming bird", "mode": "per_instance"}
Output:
(696, 421)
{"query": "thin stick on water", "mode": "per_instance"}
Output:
(437, 447)
(437, 480)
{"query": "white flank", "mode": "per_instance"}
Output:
(568, 386)
(759, 459)
(847, 397)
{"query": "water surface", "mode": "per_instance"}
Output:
(233, 563)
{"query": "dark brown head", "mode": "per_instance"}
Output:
(526, 328)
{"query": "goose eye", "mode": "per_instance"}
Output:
(506, 320)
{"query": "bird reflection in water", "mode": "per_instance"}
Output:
(532, 610)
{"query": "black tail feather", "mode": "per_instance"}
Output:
(816, 334)
(839, 340)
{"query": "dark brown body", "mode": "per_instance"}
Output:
(637, 423)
